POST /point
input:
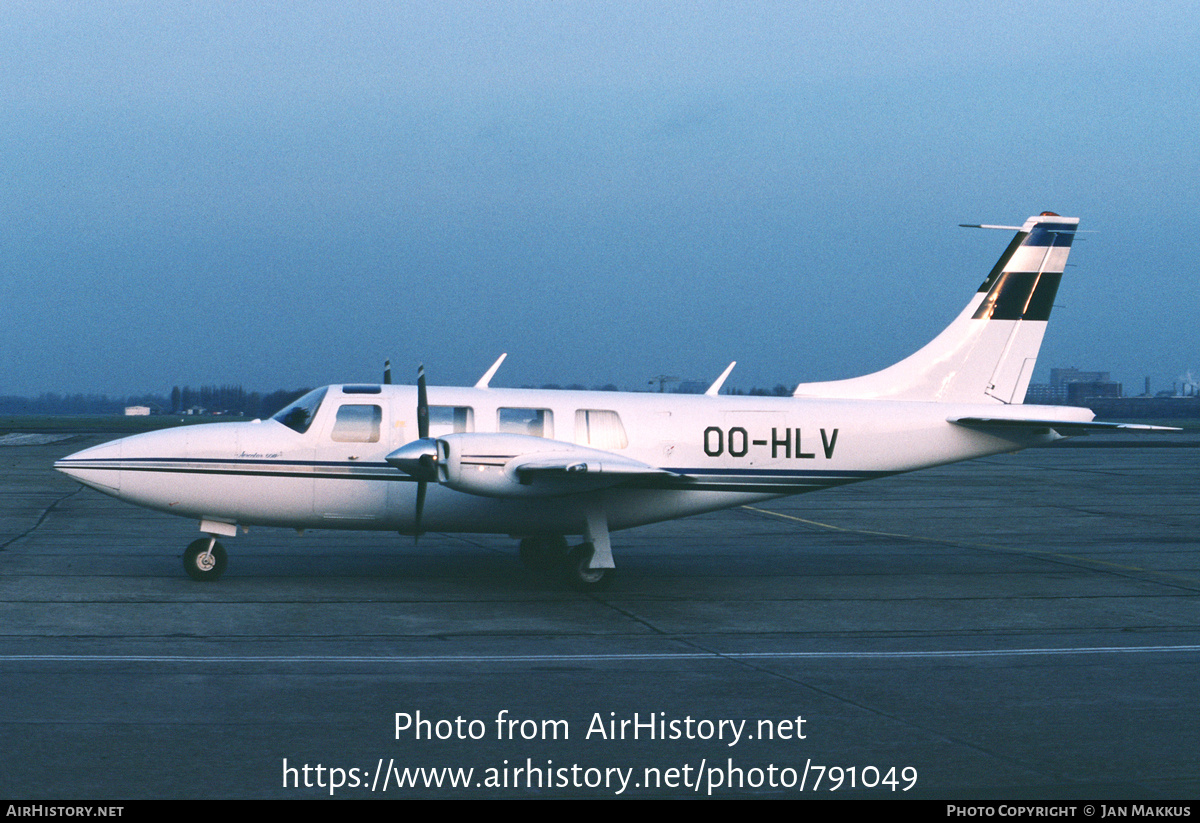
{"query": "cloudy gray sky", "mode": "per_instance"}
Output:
(284, 194)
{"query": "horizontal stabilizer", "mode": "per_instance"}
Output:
(1066, 428)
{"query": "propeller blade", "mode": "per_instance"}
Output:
(423, 433)
(422, 405)
(421, 484)
(387, 372)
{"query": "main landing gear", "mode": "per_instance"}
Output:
(205, 559)
(589, 566)
(544, 554)
(580, 573)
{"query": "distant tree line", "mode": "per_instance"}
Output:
(220, 400)
(690, 387)
(780, 390)
(233, 400)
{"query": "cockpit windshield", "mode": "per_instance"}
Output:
(299, 415)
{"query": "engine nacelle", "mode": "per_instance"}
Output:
(520, 465)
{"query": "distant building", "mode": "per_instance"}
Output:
(137, 411)
(1061, 377)
(1072, 387)
(1080, 391)
(1043, 394)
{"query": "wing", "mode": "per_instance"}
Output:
(519, 465)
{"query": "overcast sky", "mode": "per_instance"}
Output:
(285, 194)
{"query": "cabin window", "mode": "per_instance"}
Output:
(357, 424)
(600, 429)
(535, 422)
(299, 415)
(450, 420)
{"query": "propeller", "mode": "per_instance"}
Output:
(425, 460)
(422, 404)
(419, 458)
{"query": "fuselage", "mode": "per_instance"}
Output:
(326, 468)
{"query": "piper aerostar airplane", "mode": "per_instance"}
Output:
(542, 465)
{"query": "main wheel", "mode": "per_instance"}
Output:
(543, 553)
(579, 573)
(200, 563)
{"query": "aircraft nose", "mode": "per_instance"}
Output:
(98, 466)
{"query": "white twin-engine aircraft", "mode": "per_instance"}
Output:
(541, 465)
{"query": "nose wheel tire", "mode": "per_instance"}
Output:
(202, 564)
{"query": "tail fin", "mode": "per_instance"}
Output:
(987, 354)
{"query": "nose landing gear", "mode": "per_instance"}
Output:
(205, 559)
